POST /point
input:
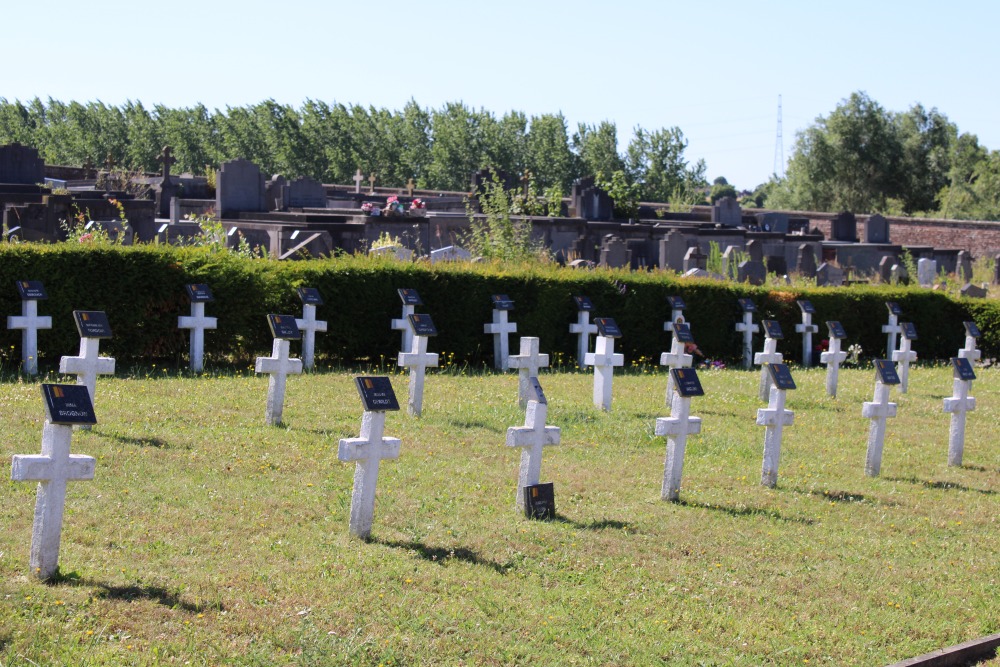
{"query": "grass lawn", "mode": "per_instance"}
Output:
(209, 538)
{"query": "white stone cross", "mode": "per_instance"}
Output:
(677, 427)
(527, 362)
(29, 322)
(748, 329)
(403, 324)
(770, 355)
(833, 358)
(968, 352)
(958, 405)
(52, 469)
(807, 329)
(878, 410)
(197, 323)
(675, 314)
(774, 417)
(358, 179)
(500, 328)
(418, 359)
(676, 358)
(88, 365)
(367, 451)
(892, 329)
(309, 325)
(531, 438)
(584, 330)
(604, 360)
(278, 366)
(904, 355)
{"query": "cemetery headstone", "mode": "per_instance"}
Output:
(673, 247)
(615, 253)
(531, 438)
(29, 322)
(21, 165)
(926, 272)
(368, 450)
(774, 418)
(93, 326)
(878, 410)
(279, 365)
(892, 328)
(694, 258)
(807, 329)
(418, 359)
(752, 272)
(959, 403)
(877, 229)
(806, 260)
(727, 212)
(677, 427)
(964, 266)
(677, 358)
(451, 253)
(527, 363)
(898, 275)
(844, 227)
(604, 360)
(65, 406)
(501, 329)
(833, 357)
(729, 261)
(772, 222)
(309, 325)
(828, 275)
(904, 355)
(768, 357)
(973, 292)
(197, 322)
(240, 187)
(885, 268)
(748, 329)
(582, 328)
(410, 299)
(755, 250)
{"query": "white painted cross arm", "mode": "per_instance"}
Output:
(958, 404)
(41, 468)
(362, 449)
(770, 417)
(676, 426)
(871, 410)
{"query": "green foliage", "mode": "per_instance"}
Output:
(714, 262)
(721, 190)
(656, 161)
(500, 237)
(623, 193)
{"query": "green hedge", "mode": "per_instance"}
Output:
(142, 290)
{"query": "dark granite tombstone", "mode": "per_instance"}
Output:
(695, 259)
(276, 193)
(963, 266)
(614, 252)
(898, 275)
(772, 222)
(755, 249)
(777, 264)
(885, 268)
(20, 165)
(239, 188)
(752, 272)
(806, 260)
(844, 228)
(973, 291)
(673, 247)
(305, 192)
(727, 212)
(590, 201)
(877, 229)
(828, 275)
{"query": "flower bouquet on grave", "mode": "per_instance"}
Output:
(393, 207)
(369, 208)
(417, 207)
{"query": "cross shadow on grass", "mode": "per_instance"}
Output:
(475, 423)
(159, 443)
(944, 486)
(442, 555)
(602, 524)
(746, 511)
(157, 594)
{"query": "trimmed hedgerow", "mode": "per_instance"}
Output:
(142, 290)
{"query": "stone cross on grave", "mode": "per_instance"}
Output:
(88, 365)
(29, 322)
(770, 355)
(904, 355)
(969, 352)
(676, 358)
(197, 323)
(807, 329)
(892, 328)
(371, 181)
(358, 178)
(774, 418)
(677, 427)
(583, 330)
(748, 329)
(531, 438)
(410, 301)
(278, 366)
(309, 325)
(409, 187)
(833, 358)
(367, 451)
(168, 160)
(418, 359)
(959, 403)
(675, 315)
(604, 360)
(52, 469)
(878, 410)
(527, 362)
(501, 329)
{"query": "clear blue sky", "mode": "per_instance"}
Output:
(713, 69)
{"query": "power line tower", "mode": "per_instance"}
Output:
(779, 149)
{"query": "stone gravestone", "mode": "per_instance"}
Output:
(604, 360)
(926, 272)
(65, 406)
(305, 192)
(878, 410)
(199, 294)
(807, 329)
(615, 253)
(590, 201)
(527, 363)
(904, 355)
(418, 359)
(239, 187)
(748, 329)
(898, 275)
(695, 259)
(309, 325)
(964, 266)
(755, 250)
(828, 275)
(751, 272)
(531, 438)
(21, 165)
(93, 326)
(279, 365)
(673, 247)
(973, 292)
(833, 357)
(892, 328)
(959, 403)
(411, 299)
(885, 269)
(501, 329)
(450, 253)
(729, 261)
(805, 261)
(677, 427)
(727, 212)
(772, 222)
(368, 450)
(774, 418)
(844, 227)
(582, 328)
(276, 193)
(777, 264)
(29, 322)
(877, 229)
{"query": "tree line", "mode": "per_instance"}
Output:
(437, 148)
